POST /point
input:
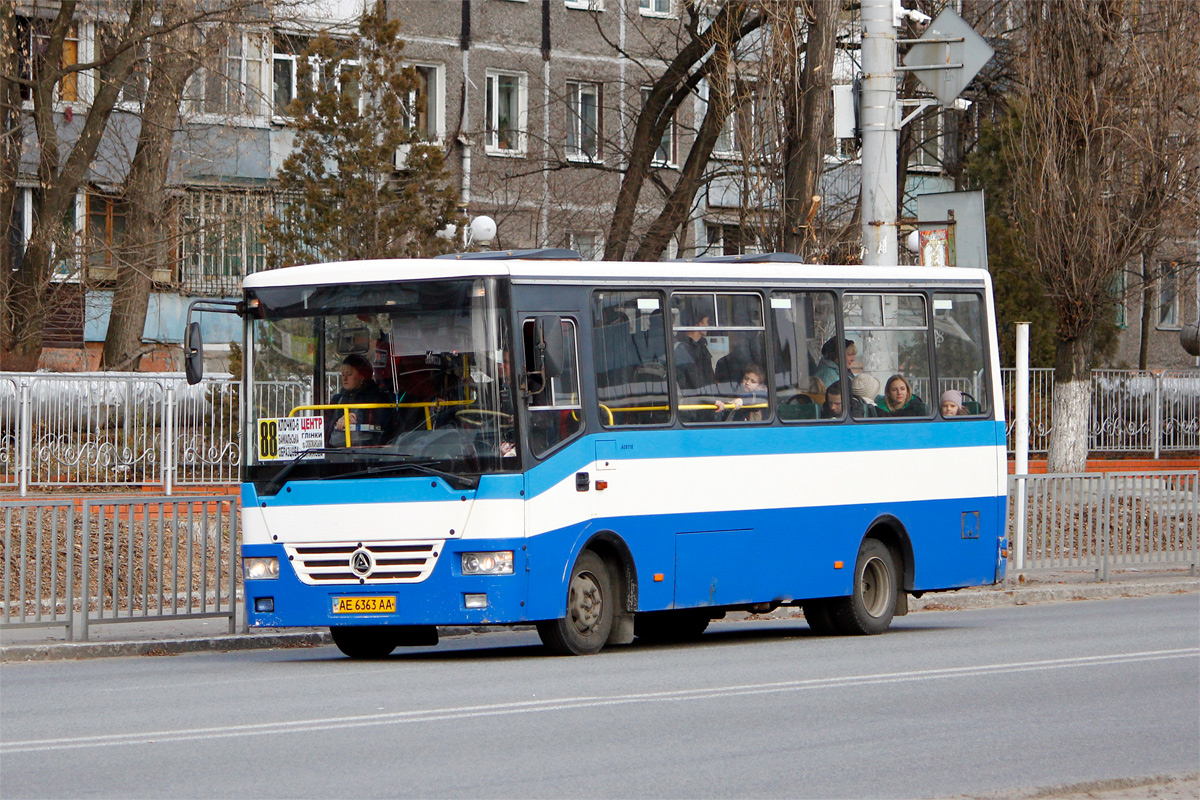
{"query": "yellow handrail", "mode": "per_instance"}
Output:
(684, 407)
(345, 409)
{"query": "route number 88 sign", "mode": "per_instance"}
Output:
(283, 438)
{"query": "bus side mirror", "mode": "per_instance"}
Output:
(193, 353)
(549, 345)
(1189, 337)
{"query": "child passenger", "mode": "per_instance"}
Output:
(952, 403)
(752, 392)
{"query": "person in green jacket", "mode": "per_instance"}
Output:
(899, 400)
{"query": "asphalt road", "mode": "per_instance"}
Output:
(946, 703)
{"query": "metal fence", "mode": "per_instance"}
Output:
(74, 562)
(1132, 411)
(1104, 520)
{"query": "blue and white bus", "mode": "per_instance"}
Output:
(614, 450)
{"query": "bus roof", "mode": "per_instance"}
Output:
(605, 272)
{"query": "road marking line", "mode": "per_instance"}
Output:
(569, 703)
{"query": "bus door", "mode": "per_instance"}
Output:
(559, 484)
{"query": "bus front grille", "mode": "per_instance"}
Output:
(321, 564)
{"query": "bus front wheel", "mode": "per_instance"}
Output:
(869, 609)
(589, 618)
(364, 641)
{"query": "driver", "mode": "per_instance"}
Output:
(368, 425)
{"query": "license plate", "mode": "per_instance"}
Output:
(364, 605)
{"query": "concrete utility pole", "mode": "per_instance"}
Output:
(880, 135)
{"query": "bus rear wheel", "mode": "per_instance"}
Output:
(364, 641)
(585, 628)
(869, 609)
(816, 614)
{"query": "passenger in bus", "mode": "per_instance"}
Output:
(752, 391)
(952, 403)
(693, 359)
(368, 425)
(865, 397)
(832, 407)
(899, 401)
(828, 368)
(694, 370)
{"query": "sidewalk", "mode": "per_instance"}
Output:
(190, 636)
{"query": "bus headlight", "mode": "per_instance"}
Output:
(498, 563)
(260, 569)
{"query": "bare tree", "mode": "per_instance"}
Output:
(34, 83)
(781, 125)
(61, 168)
(1104, 160)
(705, 54)
(172, 58)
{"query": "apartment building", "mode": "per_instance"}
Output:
(535, 102)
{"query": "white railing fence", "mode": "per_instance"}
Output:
(117, 429)
(1133, 411)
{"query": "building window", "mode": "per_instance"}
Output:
(655, 8)
(586, 5)
(420, 112)
(589, 244)
(104, 233)
(729, 240)
(736, 136)
(665, 155)
(285, 73)
(1168, 295)
(33, 36)
(505, 113)
(221, 240)
(583, 131)
(1119, 288)
(237, 85)
(926, 131)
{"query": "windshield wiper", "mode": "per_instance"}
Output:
(458, 481)
(275, 484)
(466, 481)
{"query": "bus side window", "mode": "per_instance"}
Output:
(960, 351)
(804, 322)
(630, 344)
(555, 412)
(720, 357)
(890, 335)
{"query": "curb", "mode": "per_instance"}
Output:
(161, 647)
(1057, 593)
(963, 599)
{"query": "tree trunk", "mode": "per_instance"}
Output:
(146, 246)
(1149, 285)
(804, 149)
(1072, 404)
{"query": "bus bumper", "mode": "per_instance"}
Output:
(443, 598)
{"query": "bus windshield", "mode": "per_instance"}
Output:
(380, 379)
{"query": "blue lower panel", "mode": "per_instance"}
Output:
(703, 560)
